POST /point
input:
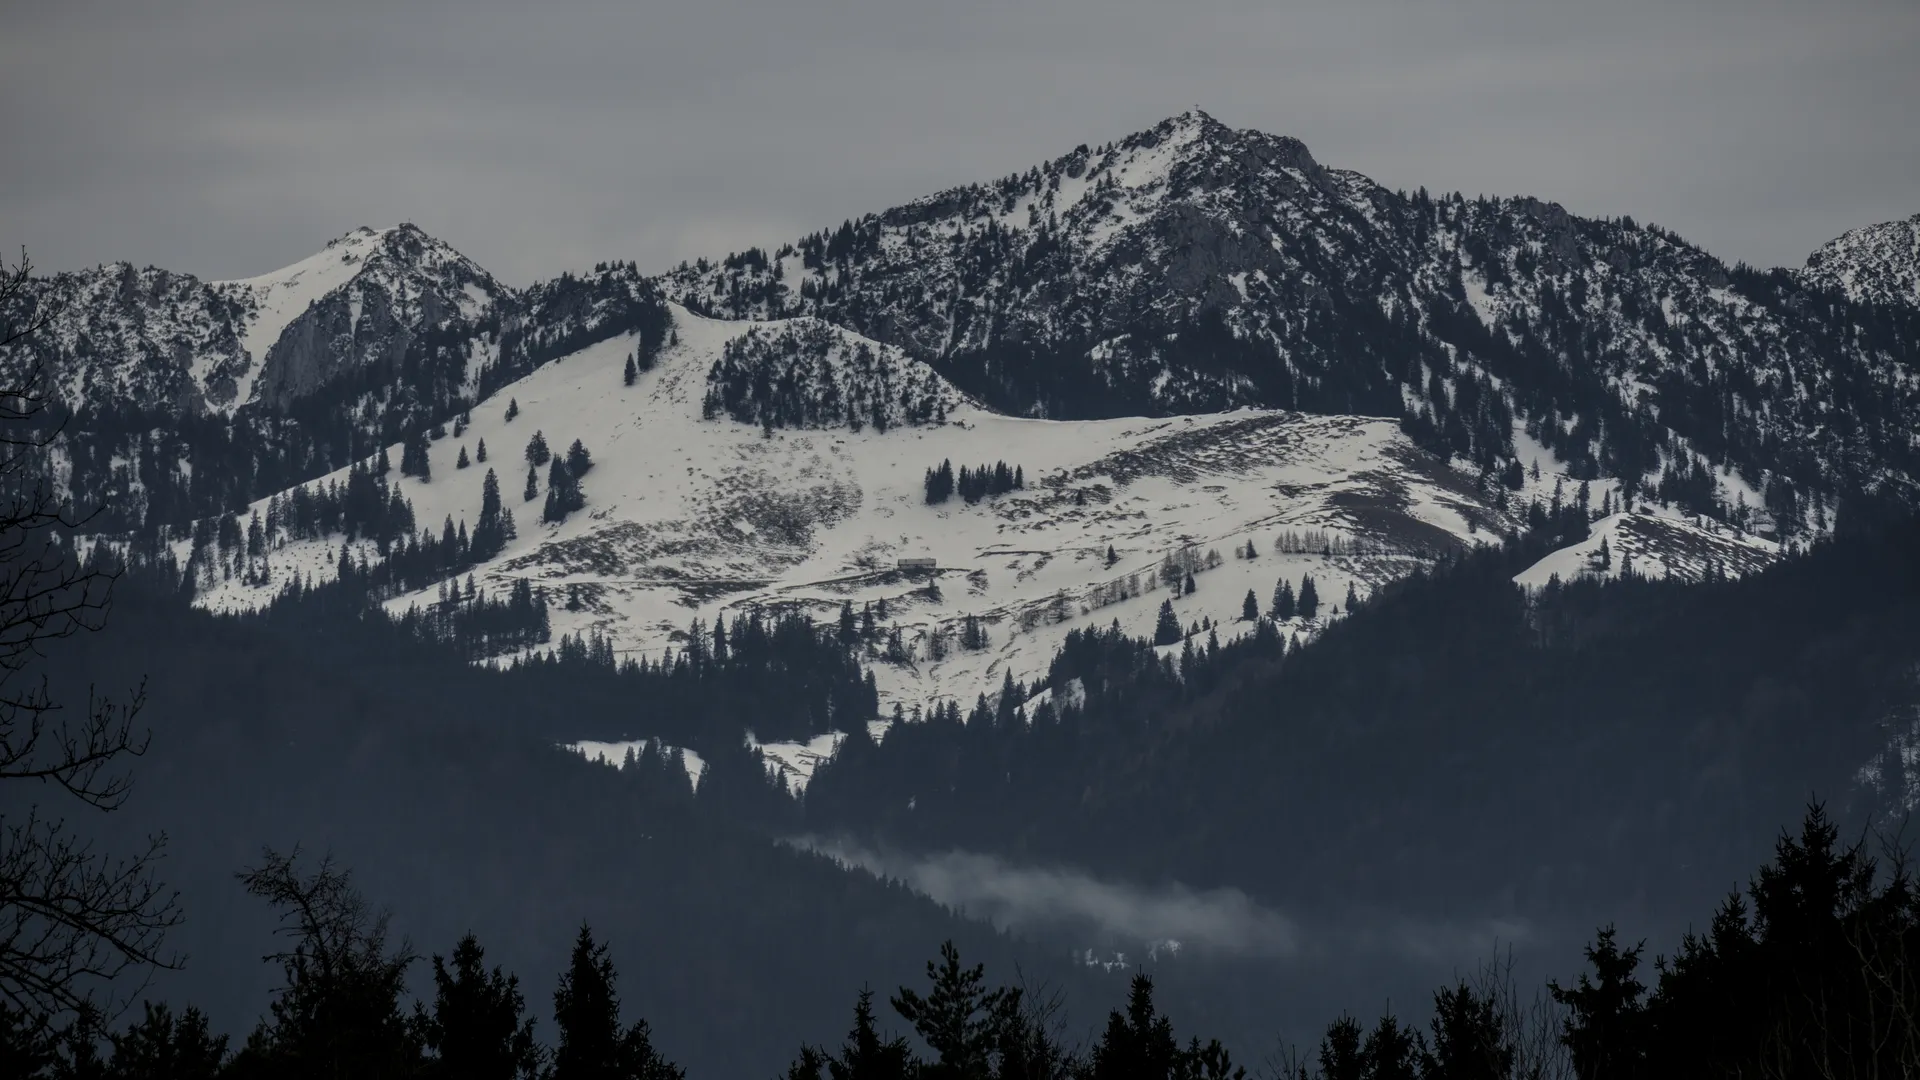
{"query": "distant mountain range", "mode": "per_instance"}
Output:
(1190, 387)
(771, 449)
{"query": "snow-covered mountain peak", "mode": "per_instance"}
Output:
(360, 298)
(1877, 264)
(149, 340)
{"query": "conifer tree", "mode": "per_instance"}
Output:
(1138, 1044)
(1187, 586)
(1393, 1052)
(1250, 608)
(160, 1046)
(463, 461)
(1309, 597)
(1353, 598)
(480, 452)
(586, 1011)
(563, 492)
(513, 409)
(960, 1020)
(1283, 605)
(866, 1055)
(630, 373)
(1112, 556)
(1340, 1051)
(1166, 629)
(532, 491)
(477, 1029)
(537, 452)
(1470, 1040)
(1605, 1027)
(415, 458)
(578, 462)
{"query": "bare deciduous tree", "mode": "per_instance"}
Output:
(72, 919)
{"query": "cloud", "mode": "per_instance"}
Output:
(1216, 922)
(1025, 898)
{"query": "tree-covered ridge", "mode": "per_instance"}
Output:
(1172, 757)
(1196, 268)
(806, 374)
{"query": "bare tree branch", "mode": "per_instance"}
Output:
(73, 920)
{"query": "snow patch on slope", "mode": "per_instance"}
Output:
(1659, 544)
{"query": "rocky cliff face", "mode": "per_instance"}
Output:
(153, 341)
(398, 283)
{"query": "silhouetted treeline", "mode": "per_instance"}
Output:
(1808, 972)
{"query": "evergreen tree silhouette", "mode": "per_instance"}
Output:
(1166, 629)
(1283, 604)
(1469, 1038)
(160, 1046)
(477, 1029)
(959, 1019)
(591, 1044)
(1340, 1051)
(1605, 1030)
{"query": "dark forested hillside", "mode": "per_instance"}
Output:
(1456, 745)
(440, 786)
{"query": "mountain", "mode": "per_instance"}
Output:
(1192, 268)
(1878, 264)
(150, 340)
(182, 399)
(782, 467)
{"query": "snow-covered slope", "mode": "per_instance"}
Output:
(1656, 543)
(1878, 264)
(694, 518)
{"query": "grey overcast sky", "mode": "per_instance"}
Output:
(227, 137)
